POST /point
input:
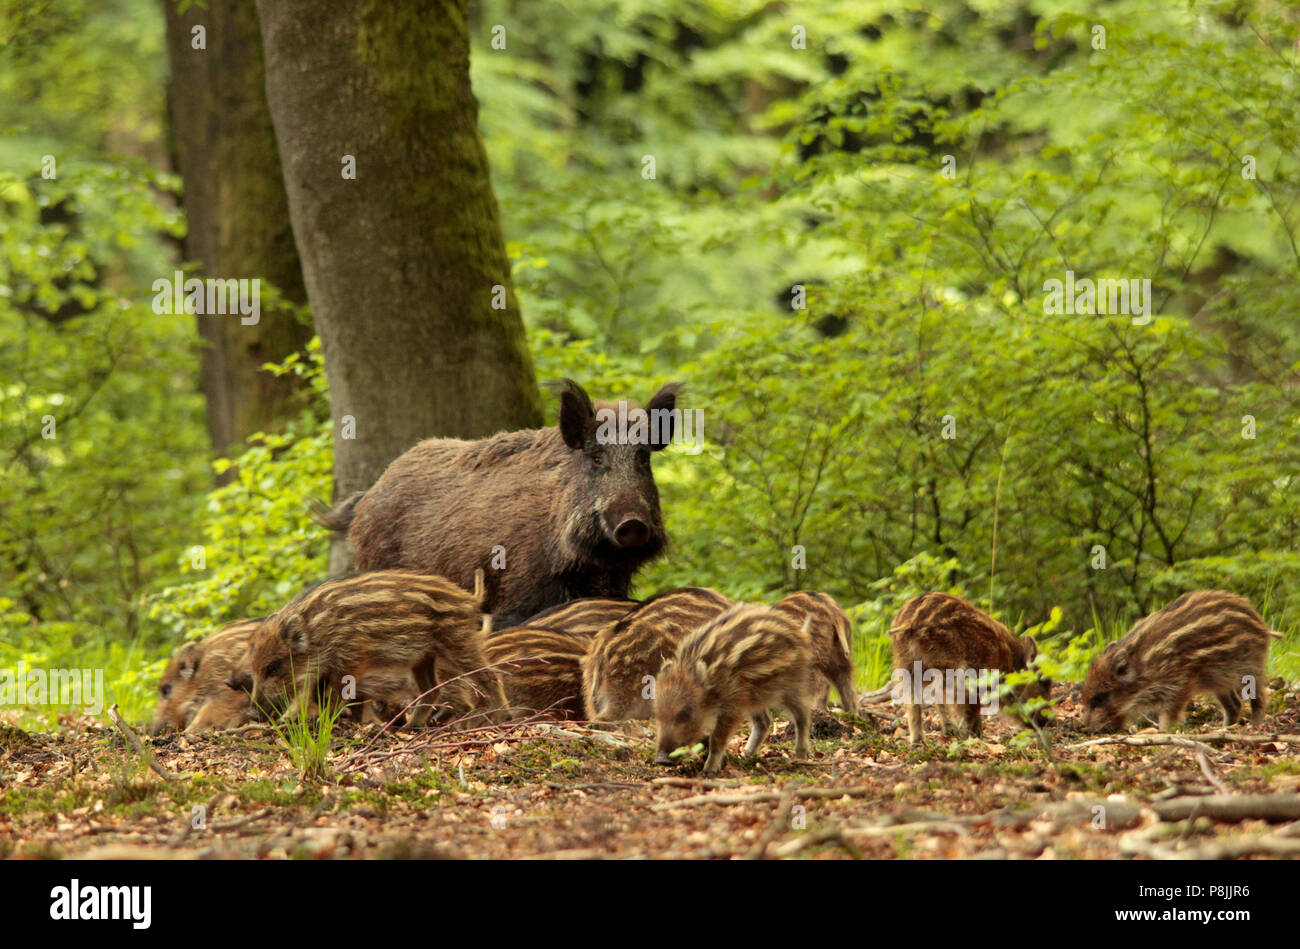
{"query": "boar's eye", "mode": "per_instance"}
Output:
(643, 459)
(685, 714)
(166, 689)
(276, 668)
(1098, 700)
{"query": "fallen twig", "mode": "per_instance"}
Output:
(867, 710)
(696, 782)
(134, 742)
(1165, 739)
(950, 825)
(1272, 845)
(603, 738)
(832, 835)
(235, 823)
(1201, 750)
(1230, 807)
(496, 733)
(774, 828)
(758, 796)
(588, 787)
(1203, 760)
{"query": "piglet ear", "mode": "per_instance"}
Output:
(1031, 647)
(190, 656)
(661, 413)
(294, 632)
(577, 417)
(1123, 666)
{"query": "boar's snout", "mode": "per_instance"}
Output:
(631, 532)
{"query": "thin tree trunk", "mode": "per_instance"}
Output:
(237, 212)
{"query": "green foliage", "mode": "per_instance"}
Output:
(307, 733)
(259, 546)
(925, 421)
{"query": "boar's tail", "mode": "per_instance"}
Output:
(875, 698)
(1275, 634)
(480, 596)
(338, 517)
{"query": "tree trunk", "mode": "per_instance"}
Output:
(404, 262)
(237, 212)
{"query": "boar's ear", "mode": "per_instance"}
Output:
(293, 632)
(240, 681)
(663, 402)
(577, 417)
(1031, 647)
(190, 655)
(1123, 667)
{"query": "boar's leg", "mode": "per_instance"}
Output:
(1231, 703)
(973, 720)
(1259, 704)
(425, 674)
(762, 723)
(722, 732)
(914, 726)
(1171, 715)
(951, 721)
(799, 711)
(205, 718)
(848, 694)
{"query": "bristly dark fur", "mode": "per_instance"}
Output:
(574, 517)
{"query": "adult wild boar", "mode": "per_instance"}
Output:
(549, 514)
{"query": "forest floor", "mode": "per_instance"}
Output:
(574, 791)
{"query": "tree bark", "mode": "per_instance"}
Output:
(237, 212)
(403, 262)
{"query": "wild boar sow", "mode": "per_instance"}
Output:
(1204, 642)
(572, 510)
